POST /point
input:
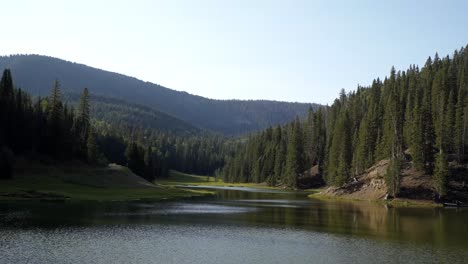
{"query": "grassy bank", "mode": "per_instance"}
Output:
(178, 178)
(84, 183)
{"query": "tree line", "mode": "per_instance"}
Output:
(43, 126)
(154, 152)
(50, 128)
(418, 116)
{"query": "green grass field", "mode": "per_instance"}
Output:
(113, 183)
(179, 178)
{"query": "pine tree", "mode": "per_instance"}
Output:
(149, 172)
(135, 159)
(417, 139)
(55, 118)
(368, 132)
(428, 133)
(279, 163)
(441, 174)
(294, 155)
(84, 107)
(257, 168)
(6, 107)
(309, 141)
(460, 116)
(448, 124)
(268, 161)
(319, 139)
(441, 165)
(68, 139)
(55, 106)
(333, 157)
(6, 86)
(91, 146)
(343, 171)
(391, 143)
(412, 96)
(458, 137)
(360, 162)
(81, 126)
(392, 176)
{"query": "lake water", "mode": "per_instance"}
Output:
(239, 225)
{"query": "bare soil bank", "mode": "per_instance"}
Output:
(415, 186)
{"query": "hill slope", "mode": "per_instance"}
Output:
(36, 74)
(79, 182)
(122, 114)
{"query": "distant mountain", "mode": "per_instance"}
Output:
(36, 75)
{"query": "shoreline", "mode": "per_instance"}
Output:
(103, 195)
(398, 202)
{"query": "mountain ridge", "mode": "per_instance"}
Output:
(36, 73)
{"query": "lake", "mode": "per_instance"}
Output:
(238, 225)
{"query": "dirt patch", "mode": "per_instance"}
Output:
(368, 186)
(415, 185)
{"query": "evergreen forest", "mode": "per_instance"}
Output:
(417, 116)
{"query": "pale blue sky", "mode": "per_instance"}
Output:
(288, 50)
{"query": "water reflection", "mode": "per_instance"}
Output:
(185, 208)
(257, 209)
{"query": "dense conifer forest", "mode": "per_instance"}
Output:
(124, 115)
(43, 127)
(51, 130)
(419, 115)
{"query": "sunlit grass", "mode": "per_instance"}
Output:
(177, 178)
(114, 183)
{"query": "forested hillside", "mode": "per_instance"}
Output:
(123, 115)
(417, 116)
(43, 127)
(50, 130)
(35, 73)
